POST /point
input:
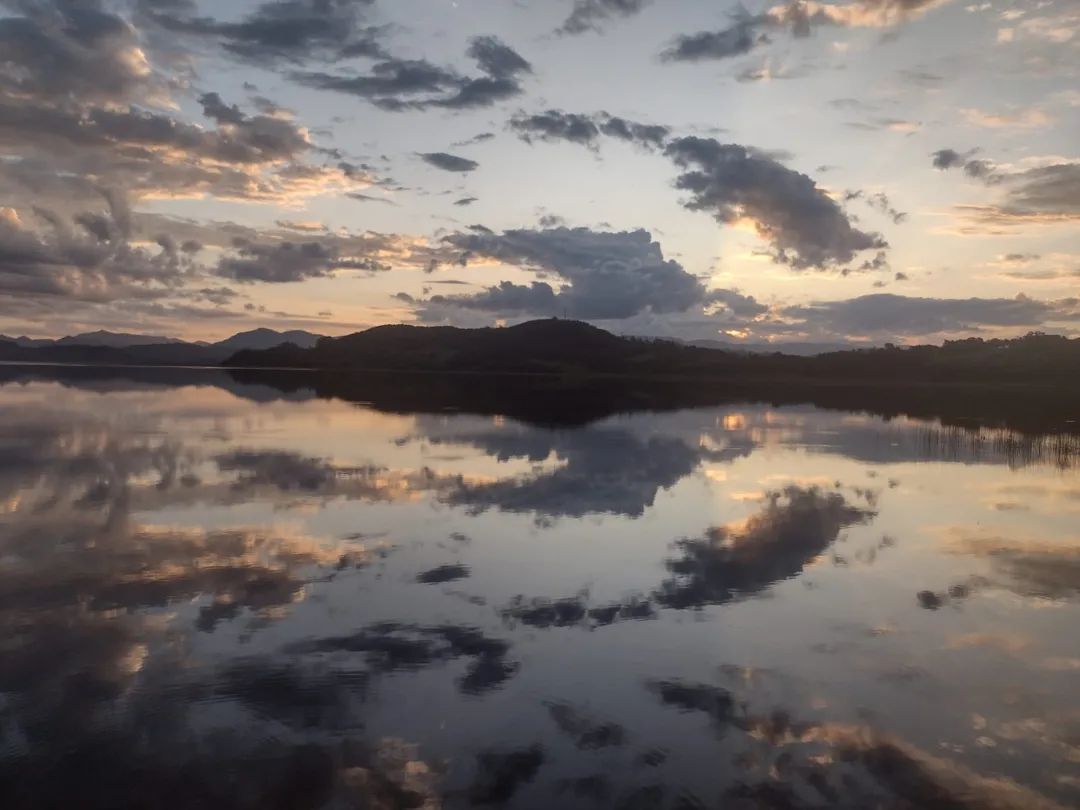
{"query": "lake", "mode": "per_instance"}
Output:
(248, 591)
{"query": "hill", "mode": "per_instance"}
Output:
(545, 346)
(565, 347)
(267, 339)
(112, 348)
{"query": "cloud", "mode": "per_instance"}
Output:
(448, 162)
(1030, 118)
(947, 159)
(555, 125)
(742, 37)
(280, 31)
(880, 202)
(583, 129)
(475, 139)
(775, 544)
(884, 315)
(361, 197)
(797, 19)
(465, 201)
(1043, 194)
(397, 85)
(286, 261)
(63, 50)
(80, 108)
(806, 228)
(88, 258)
(590, 15)
(602, 275)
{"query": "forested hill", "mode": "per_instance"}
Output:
(561, 347)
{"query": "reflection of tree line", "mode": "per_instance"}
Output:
(570, 401)
(996, 445)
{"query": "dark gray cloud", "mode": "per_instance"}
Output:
(391, 83)
(416, 84)
(806, 228)
(286, 261)
(601, 274)
(634, 132)
(947, 159)
(361, 197)
(885, 314)
(1046, 194)
(583, 129)
(590, 15)
(738, 39)
(76, 51)
(290, 31)
(218, 110)
(951, 159)
(68, 112)
(475, 139)
(879, 201)
(465, 201)
(497, 59)
(88, 258)
(1051, 190)
(555, 125)
(796, 19)
(448, 162)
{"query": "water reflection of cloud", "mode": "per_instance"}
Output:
(394, 647)
(776, 543)
(1036, 568)
(601, 469)
(782, 761)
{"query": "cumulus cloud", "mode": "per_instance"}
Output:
(797, 19)
(585, 274)
(590, 15)
(416, 84)
(448, 162)
(805, 227)
(88, 258)
(70, 50)
(80, 107)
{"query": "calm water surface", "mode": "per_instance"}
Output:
(217, 594)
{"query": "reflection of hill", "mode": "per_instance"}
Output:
(578, 401)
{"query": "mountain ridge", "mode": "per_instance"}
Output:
(554, 346)
(121, 348)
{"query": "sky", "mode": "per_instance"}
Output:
(868, 171)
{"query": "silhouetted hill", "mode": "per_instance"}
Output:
(182, 354)
(111, 348)
(544, 346)
(267, 339)
(569, 347)
(788, 347)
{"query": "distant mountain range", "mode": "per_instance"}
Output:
(118, 348)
